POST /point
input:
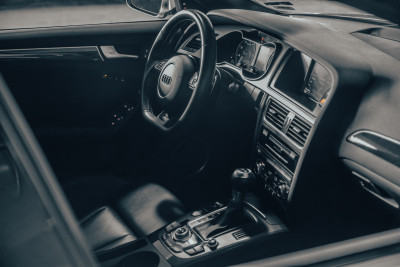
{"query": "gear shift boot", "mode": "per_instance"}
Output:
(235, 215)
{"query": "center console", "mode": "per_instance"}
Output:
(218, 226)
(191, 236)
(280, 140)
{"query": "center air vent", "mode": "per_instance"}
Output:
(193, 45)
(298, 130)
(276, 114)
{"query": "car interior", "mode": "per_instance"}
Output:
(207, 132)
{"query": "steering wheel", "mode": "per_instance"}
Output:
(176, 86)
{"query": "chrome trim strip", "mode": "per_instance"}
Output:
(53, 53)
(109, 52)
(378, 144)
(203, 219)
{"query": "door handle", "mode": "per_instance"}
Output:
(109, 52)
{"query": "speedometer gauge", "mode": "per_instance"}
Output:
(244, 54)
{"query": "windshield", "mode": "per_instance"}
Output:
(28, 4)
(386, 9)
(373, 9)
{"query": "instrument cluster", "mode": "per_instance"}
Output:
(251, 52)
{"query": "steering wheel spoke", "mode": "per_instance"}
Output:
(193, 81)
(159, 65)
(163, 116)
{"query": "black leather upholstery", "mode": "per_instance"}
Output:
(145, 210)
(149, 208)
(104, 230)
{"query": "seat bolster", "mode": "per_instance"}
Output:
(105, 230)
(149, 208)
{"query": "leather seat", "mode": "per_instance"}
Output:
(136, 215)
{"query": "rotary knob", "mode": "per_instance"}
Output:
(282, 190)
(212, 243)
(181, 233)
(260, 168)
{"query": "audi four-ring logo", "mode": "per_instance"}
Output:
(166, 79)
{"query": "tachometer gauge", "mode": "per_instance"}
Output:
(245, 53)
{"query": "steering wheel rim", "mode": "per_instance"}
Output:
(206, 71)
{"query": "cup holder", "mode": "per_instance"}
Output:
(142, 258)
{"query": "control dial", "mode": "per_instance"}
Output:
(181, 233)
(282, 190)
(260, 168)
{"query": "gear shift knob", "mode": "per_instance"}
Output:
(242, 179)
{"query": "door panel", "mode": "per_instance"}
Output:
(37, 227)
(83, 111)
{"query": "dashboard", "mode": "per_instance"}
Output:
(295, 88)
(310, 87)
(320, 87)
(252, 52)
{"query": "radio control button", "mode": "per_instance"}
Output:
(260, 168)
(282, 190)
(212, 243)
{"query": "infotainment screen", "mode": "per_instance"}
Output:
(304, 80)
(319, 83)
(264, 57)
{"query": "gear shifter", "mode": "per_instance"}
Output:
(242, 179)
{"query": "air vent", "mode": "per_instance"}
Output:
(276, 114)
(280, 5)
(284, 7)
(193, 45)
(298, 130)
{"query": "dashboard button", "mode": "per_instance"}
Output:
(282, 190)
(176, 249)
(212, 243)
(197, 213)
(191, 251)
(199, 248)
(192, 240)
(171, 226)
(260, 168)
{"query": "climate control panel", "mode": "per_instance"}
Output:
(275, 163)
(276, 183)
